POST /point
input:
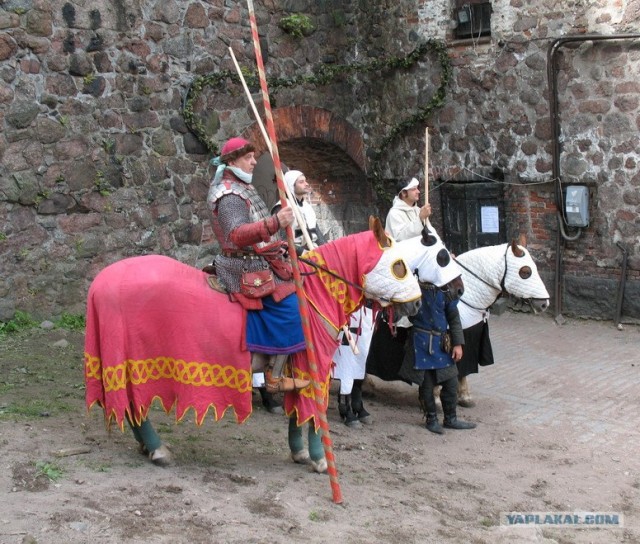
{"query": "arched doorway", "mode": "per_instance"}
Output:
(330, 153)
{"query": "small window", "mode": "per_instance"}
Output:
(473, 19)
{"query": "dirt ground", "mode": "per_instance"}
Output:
(65, 479)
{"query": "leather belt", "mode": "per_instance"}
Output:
(241, 255)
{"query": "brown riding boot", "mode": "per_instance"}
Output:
(276, 382)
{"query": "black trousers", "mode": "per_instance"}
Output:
(448, 395)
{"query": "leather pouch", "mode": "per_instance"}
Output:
(446, 344)
(257, 284)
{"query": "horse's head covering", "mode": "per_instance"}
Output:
(429, 258)
(235, 148)
(361, 260)
(290, 179)
(521, 277)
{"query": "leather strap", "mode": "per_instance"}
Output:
(240, 254)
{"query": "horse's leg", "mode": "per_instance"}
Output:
(299, 453)
(269, 402)
(347, 414)
(428, 402)
(449, 397)
(150, 443)
(437, 389)
(136, 434)
(357, 405)
(316, 450)
(464, 395)
(315, 454)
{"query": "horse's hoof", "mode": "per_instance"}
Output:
(161, 457)
(277, 409)
(319, 466)
(466, 402)
(364, 417)
(301, 457)
(352, 423)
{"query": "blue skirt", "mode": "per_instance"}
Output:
(277, 328)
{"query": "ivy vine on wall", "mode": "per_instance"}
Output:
(324, 75)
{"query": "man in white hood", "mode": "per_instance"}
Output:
(405, 218)
(300, 189)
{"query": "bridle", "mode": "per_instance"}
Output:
(501, 290)
(337, 276)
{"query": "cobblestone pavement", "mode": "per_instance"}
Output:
(585, 373)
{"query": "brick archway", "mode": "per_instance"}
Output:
(330, 152)
(310, 122)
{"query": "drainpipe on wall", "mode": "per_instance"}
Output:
(552, 73)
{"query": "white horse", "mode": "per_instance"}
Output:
(430, 261)
(488, 273)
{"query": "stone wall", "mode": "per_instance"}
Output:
(497, 126)
(97, 162)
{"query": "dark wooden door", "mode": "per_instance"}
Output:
(473, 215)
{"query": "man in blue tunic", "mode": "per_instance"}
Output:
(437, 347)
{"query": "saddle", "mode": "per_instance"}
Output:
(212, 279)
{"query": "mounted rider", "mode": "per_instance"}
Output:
(252, 265)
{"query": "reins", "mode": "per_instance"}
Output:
(337, 276)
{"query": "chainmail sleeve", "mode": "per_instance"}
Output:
(232, 212)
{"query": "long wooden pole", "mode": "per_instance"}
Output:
(296, 211)
(426, 166)
(304, 308)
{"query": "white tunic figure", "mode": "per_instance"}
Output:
(350, 368)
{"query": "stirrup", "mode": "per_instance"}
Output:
(285, 384)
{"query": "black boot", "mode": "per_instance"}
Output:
(425, 394)
(433, 424)
(269, 402)
(451, 421)
(346, 411)
(357, 405)
(449, 396)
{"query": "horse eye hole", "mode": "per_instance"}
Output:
(443, 258)
(399, 269)
(525, 272)
(429, 240)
